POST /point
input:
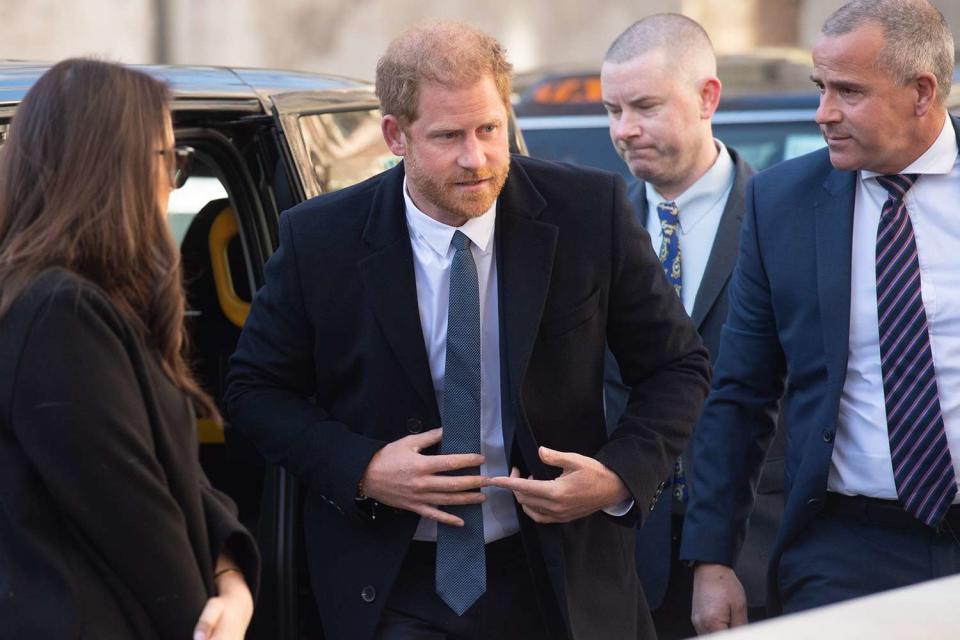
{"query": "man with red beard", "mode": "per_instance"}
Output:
(474, 291)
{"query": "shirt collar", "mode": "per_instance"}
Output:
(438, 235)
(938, 159)
(700, 197)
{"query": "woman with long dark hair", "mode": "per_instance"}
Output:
(108, 526)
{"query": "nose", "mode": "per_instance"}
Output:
(472, 155)
(625, 127)
(827, 111)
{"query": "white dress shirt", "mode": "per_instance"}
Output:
(861, 455)
(432, 255)
(701, 208)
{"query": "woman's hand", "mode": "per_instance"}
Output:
(227, 615)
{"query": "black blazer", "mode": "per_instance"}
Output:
(709, 314)
(331, 366)
(108, 526)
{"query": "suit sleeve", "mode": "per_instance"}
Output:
(738, 420)
(661, 360)
(271, 383)
(80, 417)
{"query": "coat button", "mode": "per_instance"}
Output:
(827, 435)
(414, 425)
(368, 593)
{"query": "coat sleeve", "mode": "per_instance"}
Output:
(661, 358)
(272, 380)
(80, 417)
(227, 535)
(738, 420)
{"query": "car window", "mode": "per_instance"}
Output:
(184, 204)
(345, 147)
(765, 144)
(585, 140)
(588, 146)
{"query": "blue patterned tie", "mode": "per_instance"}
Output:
(670, 245)
(461, 560)
(922, 465)
(670, 259)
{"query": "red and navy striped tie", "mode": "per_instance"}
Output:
(922, 465)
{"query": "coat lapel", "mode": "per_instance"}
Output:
(834, 224)
(723, 255)
(525, 251)
(387, 274)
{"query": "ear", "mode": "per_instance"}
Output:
(709, 97)
(393, 135)
(925, 85)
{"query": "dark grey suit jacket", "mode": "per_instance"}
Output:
(709, 314)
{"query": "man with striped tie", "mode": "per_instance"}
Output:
(846, 287)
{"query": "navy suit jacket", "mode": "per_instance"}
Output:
(788, 325)
(709, 314)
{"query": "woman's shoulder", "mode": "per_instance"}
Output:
(58, 288)
(58, 301)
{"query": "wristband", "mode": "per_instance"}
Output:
(227, 570)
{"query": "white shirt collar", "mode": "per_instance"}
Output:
(936, 160)
(702, 195)
(438, 235)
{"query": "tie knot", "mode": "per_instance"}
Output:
(460, 241)
(898, 184)
(668, 212)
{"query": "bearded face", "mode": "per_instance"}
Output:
(456, 153)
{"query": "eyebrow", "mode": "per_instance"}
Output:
(843, 84)
(635, 101)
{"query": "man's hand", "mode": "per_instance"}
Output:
(718, 599)
(400, 476)
(584, 486)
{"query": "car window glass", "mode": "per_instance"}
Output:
(345, 147)
(765, 144)
(760, 144)
(588, 146)
(200, 188)
(798, 144)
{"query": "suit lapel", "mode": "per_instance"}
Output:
(525, 251)
(387, 274)
(723, 254)
(834, 224)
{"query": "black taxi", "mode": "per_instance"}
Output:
(264, 140)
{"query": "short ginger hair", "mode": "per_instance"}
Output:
(445, 52)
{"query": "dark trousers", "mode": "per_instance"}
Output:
(859, 546)
(509, 610)
(672, 617)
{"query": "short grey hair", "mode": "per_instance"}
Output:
(680, 36)
(916, 38)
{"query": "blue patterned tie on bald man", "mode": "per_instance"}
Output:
(461, 560)
(670, 259)
(670, 245)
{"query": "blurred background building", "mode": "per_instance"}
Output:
(347, 36)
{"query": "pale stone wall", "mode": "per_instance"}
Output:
(347, 36)
(54, 29)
